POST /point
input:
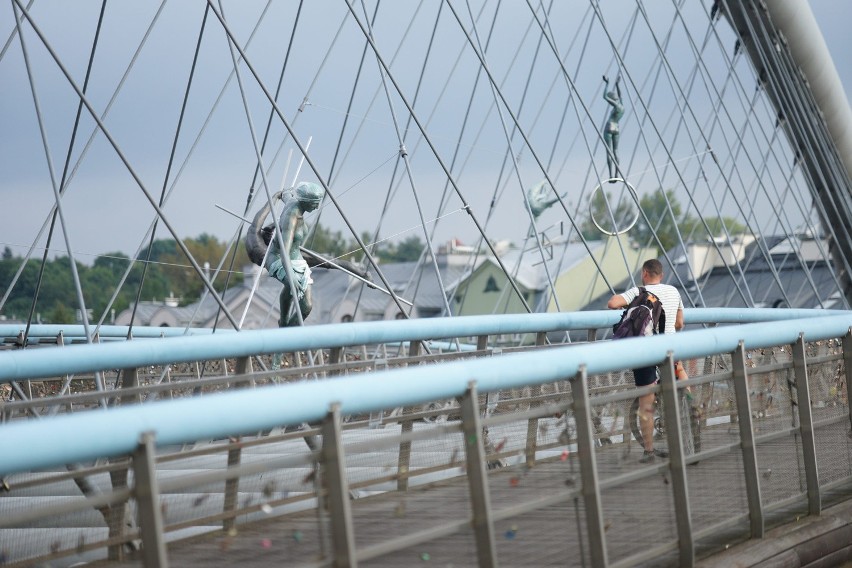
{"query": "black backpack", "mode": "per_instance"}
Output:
(644, 315)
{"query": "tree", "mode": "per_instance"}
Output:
(407, 250)
(605, 207)
(61, 314)
(694, 228)
(663, 212)
(7, 253)
(182, 278)
(665, 215)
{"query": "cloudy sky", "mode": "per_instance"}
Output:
(105, 209)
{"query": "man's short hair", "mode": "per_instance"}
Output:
(653, 267)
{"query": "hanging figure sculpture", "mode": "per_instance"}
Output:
(539, 198)
(610, 133)
(305, 198)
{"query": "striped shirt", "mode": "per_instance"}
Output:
(668, 295)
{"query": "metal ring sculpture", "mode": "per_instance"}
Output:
(635, 215)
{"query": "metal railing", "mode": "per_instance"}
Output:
(530, 437)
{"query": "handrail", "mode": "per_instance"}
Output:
(28, 364)
(85, 436)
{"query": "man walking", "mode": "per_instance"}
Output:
(652, 276)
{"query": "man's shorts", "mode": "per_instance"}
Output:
(645, 376)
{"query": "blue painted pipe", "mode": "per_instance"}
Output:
(42, 363)
(90, 435)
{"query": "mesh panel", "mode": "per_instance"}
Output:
(638, 516)
(830, 409)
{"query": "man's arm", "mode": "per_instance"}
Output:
(617, 302)
(679, 319)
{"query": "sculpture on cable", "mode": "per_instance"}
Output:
(539, 197)
(264, 249)
(610, 133)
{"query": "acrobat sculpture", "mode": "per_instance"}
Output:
(306, 197)
(610, 133)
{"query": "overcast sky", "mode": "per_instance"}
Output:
(105, 210)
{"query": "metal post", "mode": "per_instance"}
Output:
(334, 463)
(477, 477)
(481, 342)
(674, 436)
(130, 379)
(589, 468)
(806, 426)
(232, 485)
(532, 424)
(118, 513)
(334, 355)
(752, 479)
(404, 459)
(147, 495)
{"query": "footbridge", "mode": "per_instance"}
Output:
(466, 441)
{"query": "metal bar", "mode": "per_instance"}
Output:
(17, 519)
(477, 477)
(334, 462)
(646, 555)
(413, 539)
(232, 485)
(404, 459)
(147, 495)
(129, 380)
(532, 423)
(119, 513)
(806, 424)
(674, 434)
(482, 342)
(750, 471)
(589, 469)
(721, 526)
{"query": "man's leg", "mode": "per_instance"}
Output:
(646, 420)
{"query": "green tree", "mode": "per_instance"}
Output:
(404, 251)
(61, 314)
(694, 229)
(605, 207)
(666, 218)
(663, 212)
(182, 279)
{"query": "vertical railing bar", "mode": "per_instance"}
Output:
(806, 426)
(752, 479)
(147, 493)
(481, 342)
(334, 466)
(588, 469)
(118, 513)
(232, 485)
(532, 423)
(477, 477)
(407, 426)
(674, 435)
